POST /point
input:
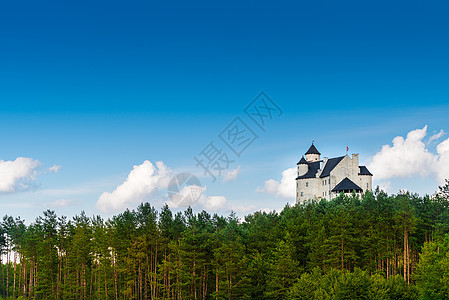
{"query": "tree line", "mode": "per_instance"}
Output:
(376, 246)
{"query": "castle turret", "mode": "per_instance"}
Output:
(303, 167)
(312, 154)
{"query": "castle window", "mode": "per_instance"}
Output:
(367, 185)
(307, 184)
(302, 194)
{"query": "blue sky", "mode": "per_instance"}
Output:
(99, 87)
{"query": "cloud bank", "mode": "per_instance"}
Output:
(147, 182)
(436, 136)
(212, 203)
(18, 174)
(231, 175)
(286, 188)
(54, 168)
(142, 181)
(410, 157)
(62, 203)
(442, 167)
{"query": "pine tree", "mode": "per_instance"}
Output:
(283, 271)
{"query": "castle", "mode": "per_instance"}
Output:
(327, 178)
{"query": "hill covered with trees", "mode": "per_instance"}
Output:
(374, 247)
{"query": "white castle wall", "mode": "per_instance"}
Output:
(309, 187)
(302, 169)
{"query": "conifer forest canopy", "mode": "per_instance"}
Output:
(378, 246)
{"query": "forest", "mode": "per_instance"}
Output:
(376, 246)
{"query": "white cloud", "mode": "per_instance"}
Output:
(145, 181)
(231, 175)
(385, 186)
(194, 195)
(403, 191)
(17, 174)
(54, 168)
(187, 196)
(268, 210)
(408, 157)
(212, 203)
(62, 203)
(243, 209)
(436, 136)
(442, 167)
(142, 181)
(286, 188)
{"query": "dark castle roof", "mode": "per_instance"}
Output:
(313, 169)
(345, 185)
(313, 150)
(302, 161)
(315, 166)
(364, 171)
(330, 165)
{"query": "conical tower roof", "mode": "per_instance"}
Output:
(302, 161)
(313, 150)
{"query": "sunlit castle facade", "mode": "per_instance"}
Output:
(328, 177)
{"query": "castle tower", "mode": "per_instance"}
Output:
(312, 154)
(303, 167)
